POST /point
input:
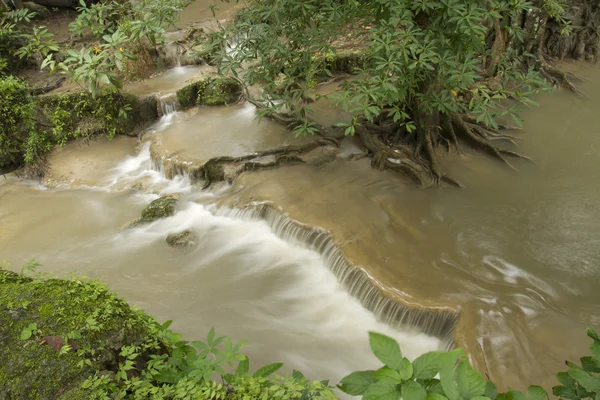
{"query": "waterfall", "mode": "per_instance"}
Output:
(438, 322)
(168, 105)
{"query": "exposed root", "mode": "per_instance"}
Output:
(515, 154)
(214, 170)
(385, 157)
(358, 156)
(474, 134)
(557, 77)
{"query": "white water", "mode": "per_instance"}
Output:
(241, 278)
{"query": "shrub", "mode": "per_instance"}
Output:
(16, 119)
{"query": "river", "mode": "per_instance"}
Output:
(515, 253)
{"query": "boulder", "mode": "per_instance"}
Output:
(48, 329)
(162, 207)
(182, 240)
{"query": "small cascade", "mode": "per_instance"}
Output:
(432, 321)
(168, 105)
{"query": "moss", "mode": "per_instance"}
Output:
(209, 92)
(78, 114)
(162, 207)
(186, 96)
(183, 240)
(31, 368)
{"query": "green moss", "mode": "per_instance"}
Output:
(74, 115)
(209, 92)
(186, 96)
(162, 207)
(101, 322)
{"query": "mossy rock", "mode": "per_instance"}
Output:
(35, 367)
(162, 207)
(182, 240)
(80, 115)
(209, 92)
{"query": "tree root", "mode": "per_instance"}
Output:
(476, 136)
(213, 170)
(557, 77)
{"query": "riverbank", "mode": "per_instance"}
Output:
(73, 339)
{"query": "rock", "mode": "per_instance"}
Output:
(35, 368)
(183, 240)
(162, 207)
(141, 184)
(41, 11)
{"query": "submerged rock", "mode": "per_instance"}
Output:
(183, 240)
(162, 207)
(40, 318)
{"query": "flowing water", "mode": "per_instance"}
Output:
(516, 254)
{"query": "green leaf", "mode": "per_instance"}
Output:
(435, 396)
(537, 393)
(386, 350)
(382, 390)
(406, 370)
(515, 395)
(387, 374)
(491, 390)
(297, 375)
(267, 370)
(243, 367)
(589, 383)
(357, 382)
(470, 382)
(25, 334)
(593, 334)
(447, 380)
(590, 364)
(427, 365)
(412, 390)
(432, 386)
(566, 380)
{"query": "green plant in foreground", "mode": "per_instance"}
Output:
(449, 376)
(40, 44)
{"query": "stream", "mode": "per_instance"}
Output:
(516, 254)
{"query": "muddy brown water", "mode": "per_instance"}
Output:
(517, 253)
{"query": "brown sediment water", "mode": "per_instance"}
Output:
(307, 275)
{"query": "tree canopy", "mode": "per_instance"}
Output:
(433, 71)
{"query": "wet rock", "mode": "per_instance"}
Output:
(162, 207)
(209, 92)
(182, 240)
(142, 184)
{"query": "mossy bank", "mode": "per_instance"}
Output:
(55, 334)
(71, 339)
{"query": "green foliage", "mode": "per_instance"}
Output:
(11, 35)
(458, 380)
(187, 371)
(40, 44)
(29, 331)
(16, 114)
(99, 18)
(421, 57)
(582, 382)
(78, 115)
